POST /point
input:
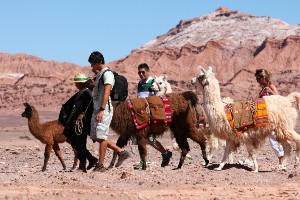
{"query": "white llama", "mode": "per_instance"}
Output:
(281, 112)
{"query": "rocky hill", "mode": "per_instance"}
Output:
(235, 44)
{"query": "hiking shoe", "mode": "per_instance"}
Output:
(92, 163)
(140, 165)
(99, 168)
(122, 156)
(166, 158)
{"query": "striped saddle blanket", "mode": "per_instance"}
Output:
(247, 114)
(153, 109)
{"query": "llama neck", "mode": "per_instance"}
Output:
(213, 106)
(34, 124)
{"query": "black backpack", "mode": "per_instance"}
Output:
(119, 91)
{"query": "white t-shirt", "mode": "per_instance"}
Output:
(108, 78)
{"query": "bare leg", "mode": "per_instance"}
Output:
(102, 150)
(158, 146)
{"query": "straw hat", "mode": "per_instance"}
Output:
(80, 78)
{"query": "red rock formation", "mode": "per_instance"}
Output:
(235, 44)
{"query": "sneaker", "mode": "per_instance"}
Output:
(92, 163)
(99, 168)
(282, 168)
(140, 165)
(122, 156)
(166, 158)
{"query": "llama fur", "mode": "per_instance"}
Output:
(281, 112)
(161, 86)
(183, 126)
(49, 133)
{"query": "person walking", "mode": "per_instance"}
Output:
(103, 111)
(79, 108)
(268, 88)
(144, 90)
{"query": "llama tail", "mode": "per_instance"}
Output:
(294, 97)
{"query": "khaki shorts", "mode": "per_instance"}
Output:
(100, 130)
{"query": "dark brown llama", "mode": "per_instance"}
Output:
(183, 126)
(49, 133)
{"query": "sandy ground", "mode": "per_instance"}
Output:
(21, 159)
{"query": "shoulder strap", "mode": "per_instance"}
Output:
(101, 78)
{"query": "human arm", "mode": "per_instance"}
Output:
(107, 90)
(271, 89)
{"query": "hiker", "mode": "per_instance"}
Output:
(144, 90)
(103, 111)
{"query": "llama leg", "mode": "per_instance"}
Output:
(227, 151)
(48, 149)
(59, 155)
(287, 152)
(184, 146)
(203, 150)
(294, 136)
(252, 156)
(213, 146)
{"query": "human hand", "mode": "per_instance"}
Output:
(80, 117)
(99, 116)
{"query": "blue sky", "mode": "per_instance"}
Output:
(69, 30)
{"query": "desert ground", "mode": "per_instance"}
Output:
(21, 160)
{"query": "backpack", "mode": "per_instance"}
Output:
(119, 91)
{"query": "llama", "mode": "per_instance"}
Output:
(161, 86)
(183, 126)
(282, 119)
(49, 133)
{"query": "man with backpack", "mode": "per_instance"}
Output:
(144, 90)
(103, 111)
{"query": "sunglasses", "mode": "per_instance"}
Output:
(258, 78)
(141, 72)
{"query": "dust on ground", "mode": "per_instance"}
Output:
(21, 160)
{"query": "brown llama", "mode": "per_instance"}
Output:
(183, 126)
(49, 133)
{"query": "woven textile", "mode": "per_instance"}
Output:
(148, 110)
(247, 114)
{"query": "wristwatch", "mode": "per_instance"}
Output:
(102, 109)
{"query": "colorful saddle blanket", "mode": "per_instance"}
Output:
(247, 114)
(153, 109)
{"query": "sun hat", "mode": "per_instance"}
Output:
(81, 78)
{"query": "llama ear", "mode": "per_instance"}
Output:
(165, 78)
(26, 105)
(210, 69)
(201, 69)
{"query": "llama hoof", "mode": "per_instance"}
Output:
(176, 168)
(218, 169)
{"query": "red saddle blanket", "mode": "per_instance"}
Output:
(153, 109)
(247, 114)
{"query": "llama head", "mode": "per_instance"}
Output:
(161, 86)
(202, 78)
(28, 111)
